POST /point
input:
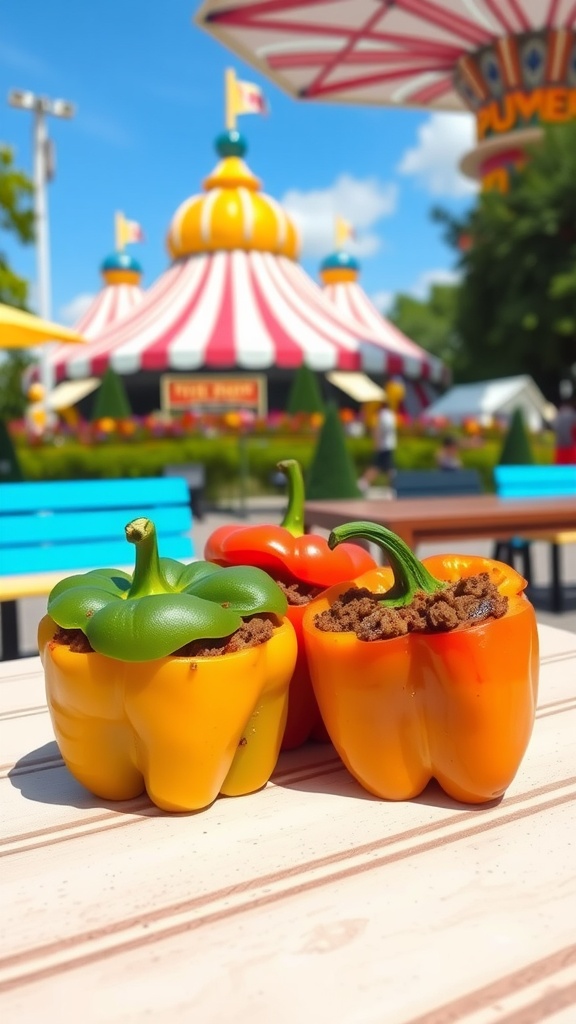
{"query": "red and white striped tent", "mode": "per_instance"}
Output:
(219, 310)
(339, 273)
(235, 297)
(119, 296)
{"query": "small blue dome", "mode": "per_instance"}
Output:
(340, 261)
(231, 143)
(121, 261)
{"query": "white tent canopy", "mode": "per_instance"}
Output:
(488, 399)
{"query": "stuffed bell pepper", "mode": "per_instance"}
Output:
(173, 680)
(303, 565)
(425, 670)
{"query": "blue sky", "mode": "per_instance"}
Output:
(148, 86)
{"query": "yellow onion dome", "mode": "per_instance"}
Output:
(232, 213)
(120, 268)
(339, 267)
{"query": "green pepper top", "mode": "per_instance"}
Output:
(164, 605)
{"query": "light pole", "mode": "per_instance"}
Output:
(43, 156)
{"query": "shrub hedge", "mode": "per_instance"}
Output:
(224, 456)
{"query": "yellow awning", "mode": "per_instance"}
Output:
(357, 385)
(19, 329)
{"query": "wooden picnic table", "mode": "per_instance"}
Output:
(308, 901)
(419, 520)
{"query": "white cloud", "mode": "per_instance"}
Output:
(383, 301)
(442, 141)
(73, 310)
(421, 287)
(103, 128)
(363, 203)
(21, 60)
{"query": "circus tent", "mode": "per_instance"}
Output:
(339, 273)
(235, 297)
(119, 296)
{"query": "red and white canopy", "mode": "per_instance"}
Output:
(391, 52)
(249, 310)
(405, 357)
(111, 304)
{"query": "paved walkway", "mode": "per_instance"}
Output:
(270, 510)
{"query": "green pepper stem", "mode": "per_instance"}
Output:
(148, 577)
(410, 576)
(294, 516)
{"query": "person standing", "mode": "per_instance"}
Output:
(385, 439)
(565, 433)
(447, 456)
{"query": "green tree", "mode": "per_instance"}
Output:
(516, 308)
(430, 322)
(12, 398)
(516, 448)
(10, 469)
(111, 398)
(16, 218)
(304, 395)
(331, 473)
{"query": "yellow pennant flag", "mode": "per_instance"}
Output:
(343, 230)
(242, 98)
(126, 231)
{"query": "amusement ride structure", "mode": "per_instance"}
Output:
(512, 63)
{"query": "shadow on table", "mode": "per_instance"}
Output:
(42, 776)
(335, 779)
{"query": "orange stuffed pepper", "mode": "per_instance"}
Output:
(426, 670)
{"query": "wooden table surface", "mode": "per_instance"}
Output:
(417, 520)
(309, 901)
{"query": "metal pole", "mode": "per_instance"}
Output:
(40, 139)
(40, 107)
(40, 145)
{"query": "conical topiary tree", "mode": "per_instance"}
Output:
(516, 448)
(332, 473)
(10, 471)
(111, 398)
(304, 394)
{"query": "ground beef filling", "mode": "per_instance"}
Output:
(298, 593)
(252, 632)
(359, 610)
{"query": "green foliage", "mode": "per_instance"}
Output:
(304, 395)
(431, 323)
(16, 217)
(111, 398)
(10, 471)
(517, 303)
(516, 449)
(332, 473)
(221, 459)
(12, 398)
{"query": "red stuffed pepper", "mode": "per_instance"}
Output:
(304, 566)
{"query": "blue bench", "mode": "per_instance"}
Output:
(436, 483)
(51, 530)
(536, 482)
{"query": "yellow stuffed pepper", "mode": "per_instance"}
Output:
(174, 681)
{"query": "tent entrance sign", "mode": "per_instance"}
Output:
(204, 393)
